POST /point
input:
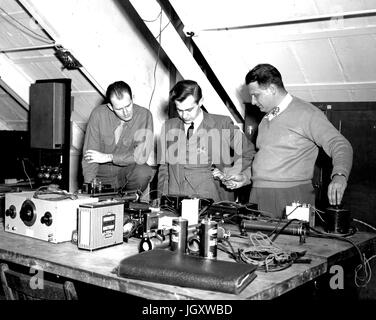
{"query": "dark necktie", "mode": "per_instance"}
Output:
(119, 131)
(190, 131)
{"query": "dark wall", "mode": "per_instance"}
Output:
(15, 153)
(357, 122)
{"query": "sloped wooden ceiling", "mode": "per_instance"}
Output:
(100, 34)
(27, 54)
(325, 50)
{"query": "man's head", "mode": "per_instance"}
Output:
(119, 96)
(187, 97)
(265, 86)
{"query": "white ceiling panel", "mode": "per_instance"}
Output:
(357, 56)
(330, 95)
(319, 63)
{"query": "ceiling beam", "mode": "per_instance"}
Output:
(34, 59)
(14, 82)
(315, 18)
(263, 37)
(18, 49)
(180, 56)
(333, 85)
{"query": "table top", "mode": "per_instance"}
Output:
(98, 267)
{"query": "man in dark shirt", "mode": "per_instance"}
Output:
(118, 141)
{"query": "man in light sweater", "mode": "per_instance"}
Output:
(287, 147)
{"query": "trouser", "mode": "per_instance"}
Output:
(130, 177)
(273, 201)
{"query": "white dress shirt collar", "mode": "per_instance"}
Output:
(196, 122)
(281, 107)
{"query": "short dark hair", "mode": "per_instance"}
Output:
(118, 89)
(264, 74)
(185, 88)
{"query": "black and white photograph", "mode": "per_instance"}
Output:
(188, 158)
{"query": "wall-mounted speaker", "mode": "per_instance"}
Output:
(47, 115)
(50, 130)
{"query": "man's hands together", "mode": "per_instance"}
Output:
(231, 181)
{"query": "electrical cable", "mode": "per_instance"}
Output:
(169, 209)
(267, 213)
(264, 254)
(53, 190)
(160, 33)
(159, 14)
(157, 62)
(203, 210)
(23, 165)
(276, 227)
(366, 224)
(283, 228)
(41, 38)
(227, 203)
(314, 208)
(298, 206)
(318, 214)
(368, 273)
(363, 263)
(232, 253)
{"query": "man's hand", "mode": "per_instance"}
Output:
(236, 181)
(233, 181)
(218, 174)
(92, 156)
(336, 189)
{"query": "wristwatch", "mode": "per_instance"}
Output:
(339, 174)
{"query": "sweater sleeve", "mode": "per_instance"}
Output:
(243, 151)
(335, 145)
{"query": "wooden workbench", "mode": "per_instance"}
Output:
(97, 267)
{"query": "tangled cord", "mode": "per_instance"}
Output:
(362, 281)
(363, 267)
(53, 189)
(263, 253)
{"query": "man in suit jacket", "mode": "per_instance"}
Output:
(196, 144)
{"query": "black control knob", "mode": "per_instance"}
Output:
(11, 212)
(46, 219)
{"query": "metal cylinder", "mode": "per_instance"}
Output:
(294, 228)
(147, 244)
(208, 239)
(179, 233)
(337, 220)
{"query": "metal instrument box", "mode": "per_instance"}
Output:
(49, 220)
(100, 224)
